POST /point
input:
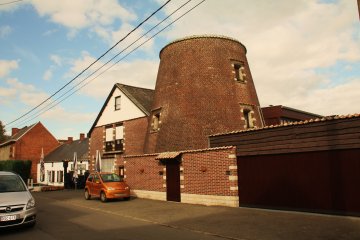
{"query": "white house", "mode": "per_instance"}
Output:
(53, 162)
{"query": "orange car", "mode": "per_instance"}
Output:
(106, 186)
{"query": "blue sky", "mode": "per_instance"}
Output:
(302, 54)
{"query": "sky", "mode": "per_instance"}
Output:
(303, 54)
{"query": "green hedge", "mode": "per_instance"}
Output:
(21, 167)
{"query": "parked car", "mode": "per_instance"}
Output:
(17, 205)
(106, 186)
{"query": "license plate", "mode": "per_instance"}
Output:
(8, 218)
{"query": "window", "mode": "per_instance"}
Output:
(240, 74)
(119, 138)
(107, 165)
(90, 178)
(121, 171)
(114, 138)
(96, 178)
(117, 103)
(155, 122)
(59, 176)
(51, 175)
(248, 119)
(109, 138)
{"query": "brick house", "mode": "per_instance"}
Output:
(276, 115)
(120, 126)
(27, 144)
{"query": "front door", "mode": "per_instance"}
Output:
(173, 180)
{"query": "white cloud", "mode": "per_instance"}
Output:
(56, 59)
(48, 74)
(133, 39)
(287, 42)
(25, 96)
(5, 31)
(7, 95)
(6, 66)
(141, 73)
(79, 14)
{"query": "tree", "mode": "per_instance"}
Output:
(3, 136)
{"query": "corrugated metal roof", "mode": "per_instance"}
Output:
(168, 155)
(328, 118)
(172, 154)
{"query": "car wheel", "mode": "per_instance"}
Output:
(127, 198)
(103, 197)
(87, 195)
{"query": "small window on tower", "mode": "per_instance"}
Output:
(240, 74)
(249, 123)
(155, 124)
(117, 103)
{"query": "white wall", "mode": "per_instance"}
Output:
(56, 166)
(127, 111)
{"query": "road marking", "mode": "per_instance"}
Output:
(146, 220)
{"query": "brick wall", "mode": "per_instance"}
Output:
(29, 146)
(134, 137)
(206, 176)
(96, 142)
(197, 95)
(142, 173)
(209, 172)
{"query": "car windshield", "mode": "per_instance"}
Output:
(11, 183)
(111, 177)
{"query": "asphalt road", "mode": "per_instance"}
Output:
(67, 215)
(72, 217)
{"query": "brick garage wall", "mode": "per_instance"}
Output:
(134, 137)
(210, 177)
(142, 175)
(29, 146)
(200, 68)
(211, 187)
(96, 140)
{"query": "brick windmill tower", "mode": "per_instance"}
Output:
(204, 86)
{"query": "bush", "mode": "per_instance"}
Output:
(21, 167)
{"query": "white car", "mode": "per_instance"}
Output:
(17, 205)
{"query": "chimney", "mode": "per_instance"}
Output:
(70, 140)
(14, 131)
(82, 136)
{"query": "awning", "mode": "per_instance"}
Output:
(167, 155)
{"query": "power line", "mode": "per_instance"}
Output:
(85, 84)
(1, 4)
(47, 108)
(122, 39)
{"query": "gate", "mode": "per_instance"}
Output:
(173, 180)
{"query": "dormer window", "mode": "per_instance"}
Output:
(117, 103)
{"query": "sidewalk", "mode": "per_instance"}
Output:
(225, 222)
